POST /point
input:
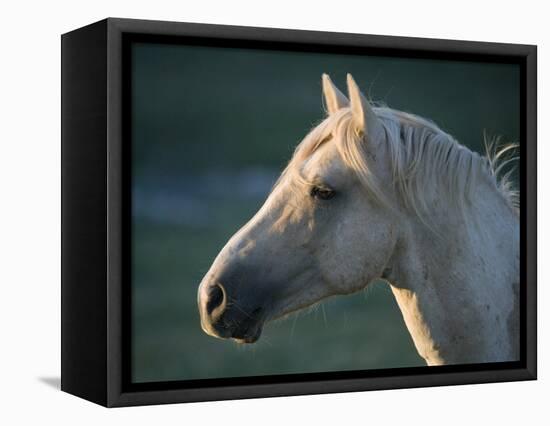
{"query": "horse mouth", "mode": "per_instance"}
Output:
(241, 330)
(249, 337)
(247, 332)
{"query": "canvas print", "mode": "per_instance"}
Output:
(303, 212)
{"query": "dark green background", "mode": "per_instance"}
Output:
(211, 130)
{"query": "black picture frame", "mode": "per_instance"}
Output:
(95, 284)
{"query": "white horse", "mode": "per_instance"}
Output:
(373, 193)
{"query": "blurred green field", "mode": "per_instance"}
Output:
(212, 129)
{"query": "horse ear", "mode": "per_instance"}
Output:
(363, 114)
(334, 99)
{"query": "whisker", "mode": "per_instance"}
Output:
(236, 305)
(324, 315)
(293, 327)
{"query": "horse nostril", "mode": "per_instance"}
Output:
(216, 300)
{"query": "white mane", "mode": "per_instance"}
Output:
(423, 158)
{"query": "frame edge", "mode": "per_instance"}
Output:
(83, 213)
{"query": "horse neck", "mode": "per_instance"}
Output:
(458, 291)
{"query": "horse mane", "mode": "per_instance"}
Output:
(423, 158)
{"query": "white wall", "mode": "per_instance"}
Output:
(29, 233)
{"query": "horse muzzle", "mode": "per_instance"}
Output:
(223, 317)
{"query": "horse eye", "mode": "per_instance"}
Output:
(322, 193)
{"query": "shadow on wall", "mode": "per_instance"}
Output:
(53, 382)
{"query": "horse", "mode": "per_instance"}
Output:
(373, 193)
